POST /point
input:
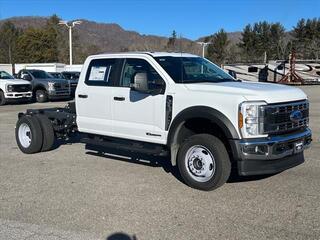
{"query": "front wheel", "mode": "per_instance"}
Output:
(3, 100)
(41, 96)
(203, 162)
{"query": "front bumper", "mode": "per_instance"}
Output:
(57, 94)
(272, 154)
(17, 95)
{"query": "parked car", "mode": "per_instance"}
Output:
(73, 78)
(44, 86)
(71, 75)
(58, 75)
(182, 106)
(12, 89)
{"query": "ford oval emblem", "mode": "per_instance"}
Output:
(295, 116)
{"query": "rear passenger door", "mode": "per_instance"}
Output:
(137, 115)
(94, 96)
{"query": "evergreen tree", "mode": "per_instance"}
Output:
(172, 41)
(8, 39)
(278, 44)
(248, 43)
(37, 45)
(261, 38)
(218, 49)
(307, 38)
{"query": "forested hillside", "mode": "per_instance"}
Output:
(41, 39)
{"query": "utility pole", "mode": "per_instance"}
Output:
(70, 25)
(203, 44)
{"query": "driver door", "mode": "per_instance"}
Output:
(137, 115)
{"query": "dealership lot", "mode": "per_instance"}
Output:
(72, 193)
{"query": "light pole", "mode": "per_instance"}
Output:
(203, 44)
(70, 25)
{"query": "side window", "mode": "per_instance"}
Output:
(20, 74)
(133, 66)
(23, 74)
(101, 72)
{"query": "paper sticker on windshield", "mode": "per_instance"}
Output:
(98, 73)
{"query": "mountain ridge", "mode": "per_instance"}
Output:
(111, 37)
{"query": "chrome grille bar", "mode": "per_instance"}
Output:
(277, 120)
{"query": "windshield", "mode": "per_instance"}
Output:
(40, 74)
(192, 70)
(57, 75)
(5, 75)
(71, 75)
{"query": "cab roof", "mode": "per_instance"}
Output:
(153, 54)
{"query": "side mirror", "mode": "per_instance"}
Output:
(141, 82)
(26, 77)
(233, 73)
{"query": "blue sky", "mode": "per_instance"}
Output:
(191, 18)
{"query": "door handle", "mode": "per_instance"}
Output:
(82, 96)
(119, 98)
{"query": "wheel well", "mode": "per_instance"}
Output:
(197, 126)
(39, 88)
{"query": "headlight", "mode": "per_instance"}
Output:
(51, 86)
(10, 88)
(250, 119)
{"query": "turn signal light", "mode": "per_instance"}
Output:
(240, 120)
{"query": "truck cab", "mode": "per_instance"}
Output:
(13, 90)
(204, 119)
(44, 86)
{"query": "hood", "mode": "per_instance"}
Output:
(58, 80)
(252, 91)
(73, 81)
(15, 81)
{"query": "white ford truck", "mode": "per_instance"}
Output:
(181, 105)
(12, 89)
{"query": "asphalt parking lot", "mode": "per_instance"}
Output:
(71, 193)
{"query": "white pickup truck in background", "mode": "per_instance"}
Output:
(180, 105)
(12, 89)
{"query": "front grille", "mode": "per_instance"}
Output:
(73, 85)
(21, 88)
(277, 120)
(58, 86)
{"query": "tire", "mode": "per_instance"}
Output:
(3, 100)
(29, 135)
(47, 131)
(203, 162)
(41, 96)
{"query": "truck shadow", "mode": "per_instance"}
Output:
(138, 158)
(72, 140)
(236, 178)
(151, 161)
(164, 162)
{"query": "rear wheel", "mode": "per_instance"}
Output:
(203, 162)
(29, 135)
(2, 98)
(48, 132)
(41, 96)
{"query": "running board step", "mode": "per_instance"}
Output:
(100, 143)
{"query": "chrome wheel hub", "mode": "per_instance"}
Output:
(24, 135)
(200, 163)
